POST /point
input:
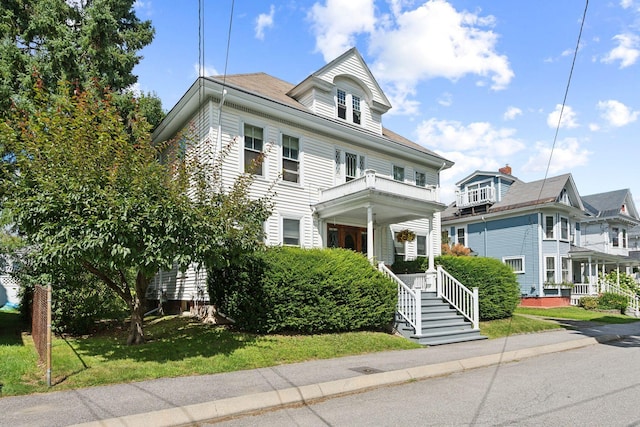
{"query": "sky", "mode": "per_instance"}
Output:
(480, 82)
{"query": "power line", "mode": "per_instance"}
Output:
(564, 100)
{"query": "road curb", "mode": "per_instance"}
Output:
(228, 407)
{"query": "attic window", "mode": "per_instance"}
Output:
(623, 209)
(342, 104)
(349, 106)
(564, 197)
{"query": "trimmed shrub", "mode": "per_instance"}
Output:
(498, 288)
(611, 301)
(418, 265)
(589, 303)
(287, 289)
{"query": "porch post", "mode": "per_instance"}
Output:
(370, 233)
(431, 277)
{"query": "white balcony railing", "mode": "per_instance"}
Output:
(373, 181)
(477, 196)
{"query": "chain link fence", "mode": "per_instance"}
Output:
(41, 326)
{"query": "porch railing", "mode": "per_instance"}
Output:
(415, 281)
(408, 300)
(372, 181)
(459, 296)
(476, 196)
(633, 305)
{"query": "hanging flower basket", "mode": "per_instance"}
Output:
(405, 235)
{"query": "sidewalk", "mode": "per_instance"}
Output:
(180, 401)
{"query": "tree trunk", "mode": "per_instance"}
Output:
(138, 306)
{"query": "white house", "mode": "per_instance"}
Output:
(341, 178)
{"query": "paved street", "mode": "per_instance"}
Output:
(592, 386)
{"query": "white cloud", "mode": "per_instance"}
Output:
(594, 127)
(475, 146)
(567, 155)
(627, 51)
(478, 138)
(512, 113)
(435, 40)
(336, 23)
(413, 44)
(568, 117)
(205, 70)
(616, 113)
(264, 21)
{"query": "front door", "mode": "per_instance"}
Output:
(348, 237)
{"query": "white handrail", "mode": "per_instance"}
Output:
(408, 300)
(459, 296)
(633, 302)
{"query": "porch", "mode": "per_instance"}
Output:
(358, 214)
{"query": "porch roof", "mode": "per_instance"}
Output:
(391, 201)
(578, 253)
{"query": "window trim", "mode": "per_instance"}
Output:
(546, 269)
(284, 218)
(562, 229)
(352, 98)
(519, 257)
(415, 178)
(426, 243)
(283, 158)
(568, 278)
(464, 235)
(553, 227)
(243, 149)
(401, 169)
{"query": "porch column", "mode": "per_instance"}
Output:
(370, 233)
(431, 277)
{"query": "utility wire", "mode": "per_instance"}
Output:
(564, 100)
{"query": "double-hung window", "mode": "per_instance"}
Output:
(566, 270)
(349, 106)
(253, 146)
(342, 104)
(550, 269)
(421, 179)
(291, 232)
(398, 173)
(421, 245)
(357, 114)
(290, 158)
(614, 237)
(549, 225)
(564, 228)
(460, 236)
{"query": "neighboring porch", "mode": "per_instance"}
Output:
(587, 267)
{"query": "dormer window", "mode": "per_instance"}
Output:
(349, 106)
(356, 109)
(342, 104)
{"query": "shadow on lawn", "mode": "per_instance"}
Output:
(168, 340)
(11, 328)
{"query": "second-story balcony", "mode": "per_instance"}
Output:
(475, 197)
(394, 201)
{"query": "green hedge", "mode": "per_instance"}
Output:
(498, 288)
(288, 289)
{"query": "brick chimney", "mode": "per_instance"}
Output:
(505, 170)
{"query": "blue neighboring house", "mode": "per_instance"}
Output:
(556, 241)
(530, 226)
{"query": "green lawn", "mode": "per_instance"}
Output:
(176, 346)
(577, 313)
(179, 346)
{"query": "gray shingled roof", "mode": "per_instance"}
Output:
(523, 194)
(275, 89)
(605, 204)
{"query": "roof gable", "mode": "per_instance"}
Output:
(349, 66)
(544, 191)
(611, 204)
